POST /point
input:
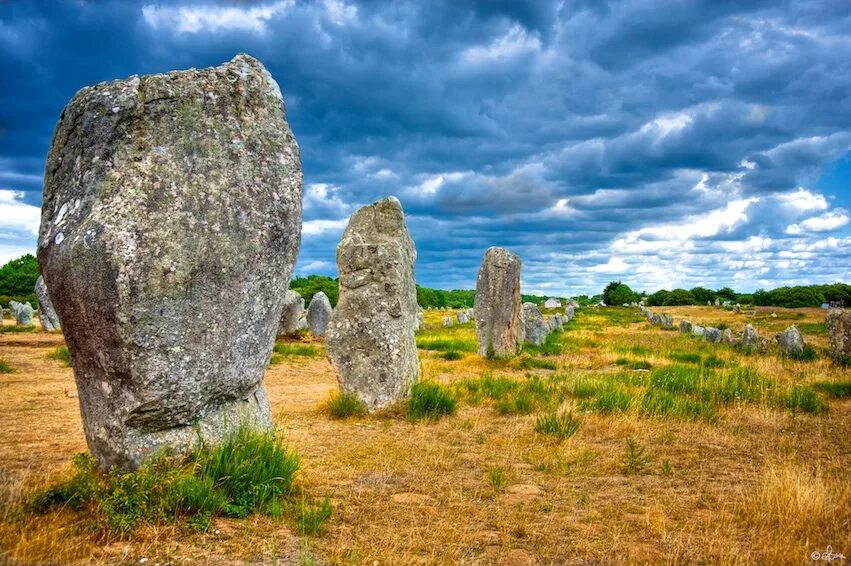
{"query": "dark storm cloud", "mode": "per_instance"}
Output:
(664, 143)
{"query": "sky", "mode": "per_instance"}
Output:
(664, 143)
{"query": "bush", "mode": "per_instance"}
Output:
(342, 405)
(450, 355)
(617, 293)
(561, 425)
(311, 517)
(430, 401)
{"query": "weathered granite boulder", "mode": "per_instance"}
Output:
(46, 313)
(697, 330)
(790, 341)
(536, 328)
(570, 312)
(558, 321)
(23, 313)
(838, 322)
(318, 314)
(666, 321)
(292, 313)
(499, 325)
(420, 318)
(728, 337)
(711, 334)
(370, 340)
(750, 339)
(462, 318)
(470, 314)
(447, 321)
(685, 327)
(166, 197)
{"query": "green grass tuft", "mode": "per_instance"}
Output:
(609, 401)
(342, 405)
(312, 517)
(450, 355)
(430, 401)
(527, 362)
(800, 399)
(304, 350)
(634, 459)
(835, 389)
(560, 425)
(251, 471)
(62, 354)
(16, 329)
(5, 367)
(808, 354)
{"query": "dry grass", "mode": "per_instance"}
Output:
(759, 485)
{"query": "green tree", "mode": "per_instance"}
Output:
(17, 280)
(312, 284)
(617, 293)
(678, 297)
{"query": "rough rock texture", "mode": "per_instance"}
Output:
(750, 339)
(667, 321)
(318, 314)
(499, 316)
(166, 197)
(420, 318)
(685, 327)
(790, 340)
(291, 314)
(447, 321)
(462, 318)
(711, 334)
(728, 337)
(838, 322)
(46, 313)
(370, 340)
(697, 330)
(536, 329)
(22, 313)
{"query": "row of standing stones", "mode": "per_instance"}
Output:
(790, 341)
(166, 196)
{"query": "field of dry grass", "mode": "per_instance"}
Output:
(757, 483)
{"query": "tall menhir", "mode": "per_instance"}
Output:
(165, 198)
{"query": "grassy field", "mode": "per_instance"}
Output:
(615, 442)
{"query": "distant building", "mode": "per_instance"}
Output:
(552, 304)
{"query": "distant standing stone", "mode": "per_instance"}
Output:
(23, 314)
(420, 318)
(728, 337)
(499, 322)
(685, 327)
(462, 318)
(165, 198)
(790, 340)
(667, 321)
(447, 321)
(291, 315)
(370, 340)
(711, 334)
(697, 330)
(838, 322)
(750, 339)
(46, 313)
(318, 314)
(536, 328)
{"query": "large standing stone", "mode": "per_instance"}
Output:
(667, 321)
(838, 322)
(685, 327)
(536, 329)
(318, 314)
(750, 339)
(499, 316)
(166, 197)
(697, 330)
(292, 313)
(46, 313)
(370, 339)
(729, 338)
(790, 340)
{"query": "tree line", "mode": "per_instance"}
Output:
(17, 282)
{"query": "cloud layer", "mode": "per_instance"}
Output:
(665, 144)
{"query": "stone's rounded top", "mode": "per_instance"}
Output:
(500, 256)
(392, 200)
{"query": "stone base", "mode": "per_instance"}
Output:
(140, 446)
